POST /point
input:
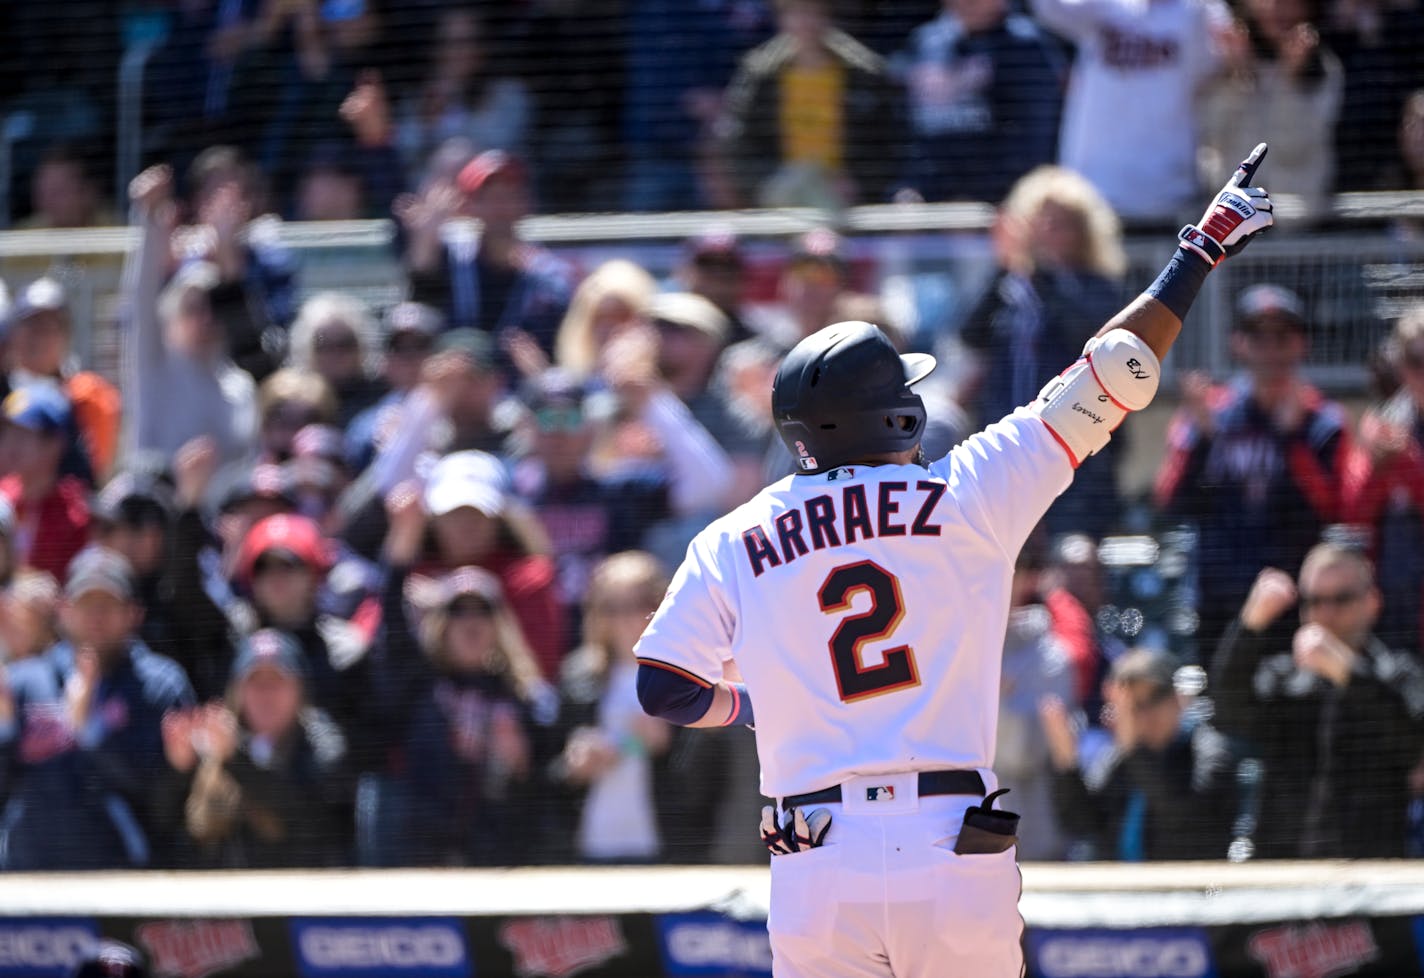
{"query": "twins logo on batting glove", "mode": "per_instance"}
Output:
(796, 831)
(1238, 214)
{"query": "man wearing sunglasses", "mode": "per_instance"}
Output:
(1337, 718)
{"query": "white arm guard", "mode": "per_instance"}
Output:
(1083, 405)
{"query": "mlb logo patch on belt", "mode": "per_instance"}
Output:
(884, 792)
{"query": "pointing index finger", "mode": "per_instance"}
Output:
(1246, 172)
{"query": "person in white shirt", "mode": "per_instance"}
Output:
(1139, 62)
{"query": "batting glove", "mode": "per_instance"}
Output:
(1234, 217)
(796, 831)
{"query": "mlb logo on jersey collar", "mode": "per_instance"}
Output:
(844, 472)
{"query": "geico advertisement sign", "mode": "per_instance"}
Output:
(430, 947)
(1152, 952)
(44, 947)
(710, 944)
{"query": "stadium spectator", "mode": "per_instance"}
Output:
(1256, 465)
(410, 330)
(1276, 65)
(691, 333)
(269, 786)
(462, 96)
(133, 517)
(813, 283)
(1337, 719)
(677, 61)
(1136, 65)
(64, 194)
(1060, 262)
(492, 281)
(812, 118)
(714, 267)
(335, 336)
(39, 351)
(234, 230)
(1375, 41)
(1074, 592)
(653, 434)
(304, 61)
(317, 470)
(464, 377)
(1034, 666)
(51, 509)
(985, 91)
(206, 609)
(476, 522)
(175, 350)
(742, 381)
(287, 402)
(469, 689)
(1165, 789)
(584, 517)
(193, 92)
(371, 168)
(281, 571)
(29, 615)
(331, 187)
(612, 298)
(578, 87)
(1383, 486)
(81, 738)
(1408, 171)
(611, 759)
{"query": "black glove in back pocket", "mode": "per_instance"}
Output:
(986, 831)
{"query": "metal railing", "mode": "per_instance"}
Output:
(1353, 280)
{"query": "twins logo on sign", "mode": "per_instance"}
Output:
(1313, 950)
(197, 948)
(555, 947)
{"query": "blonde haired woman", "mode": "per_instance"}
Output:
(612, 746)
(1060, 257)
(613, 297)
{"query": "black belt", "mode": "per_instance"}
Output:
(931, 783)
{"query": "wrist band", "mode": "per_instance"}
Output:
(1177, 286)
(741, 711)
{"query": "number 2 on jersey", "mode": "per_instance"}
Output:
(854, 680)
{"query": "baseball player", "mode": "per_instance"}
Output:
(864, 600)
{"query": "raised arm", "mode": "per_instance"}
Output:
(150, 194)
(1121, 366)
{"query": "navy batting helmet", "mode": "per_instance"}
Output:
(844, 392)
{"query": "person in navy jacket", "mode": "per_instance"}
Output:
(81, 748)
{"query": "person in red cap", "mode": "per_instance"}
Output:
(488, 279)
(51, 509)
(281, 568)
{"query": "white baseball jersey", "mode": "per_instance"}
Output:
(866, 607)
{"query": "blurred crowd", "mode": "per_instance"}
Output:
(647, 105)
(312, 583)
